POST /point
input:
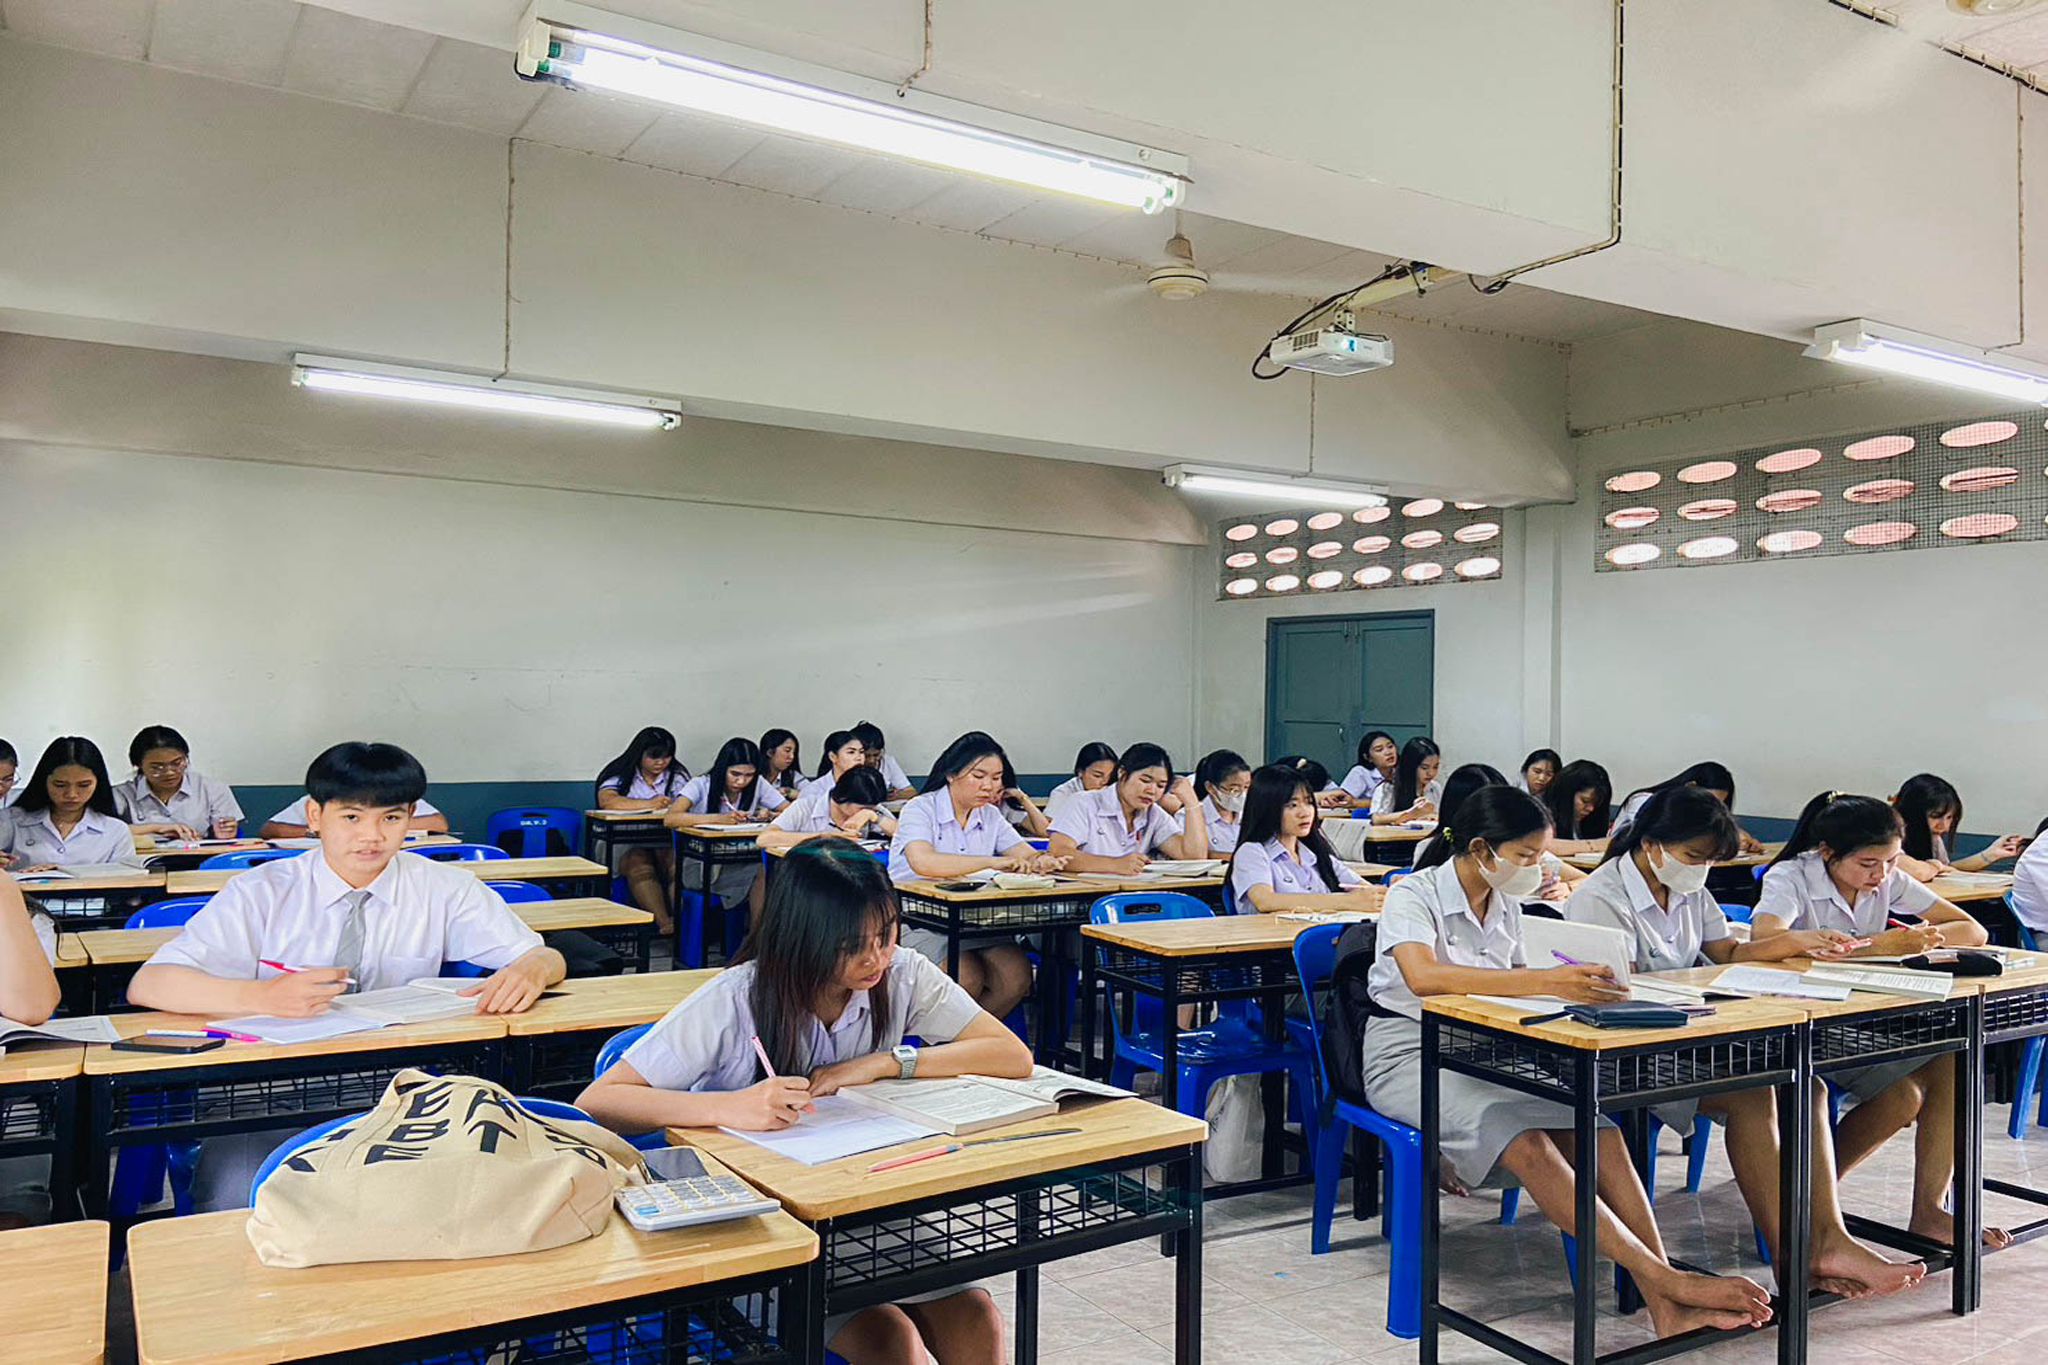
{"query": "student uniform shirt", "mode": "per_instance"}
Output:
(929, 819)
(807, 814)
(295, 813)
(198, 802)
(892, 773)
(1666, 938)
(96, 838)
(1430, 907)
(1361, 782)
(698, 789)
(1095, 822)
(2030, 886)
(1222, 833)
(1271, 865)
(420, 914)
(706, 1041)
(1063, 793)
(673, 779)
(1800, 893)
(1627, 813)
(1383, 796)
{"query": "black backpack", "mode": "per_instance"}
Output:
(1345, 1008)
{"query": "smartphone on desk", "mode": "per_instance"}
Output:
(177, 1047)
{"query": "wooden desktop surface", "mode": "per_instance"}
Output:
(102, 1060)
(610, 1002)
(110, 877)
(1586, 862)
(1961, 890)
(202, 1296)
(53, 1298)
(197, 883)
(1199, 937)
(1109, 1129)
(1730, 1016)
(617, 817)
(70, 952)
(41, 1061)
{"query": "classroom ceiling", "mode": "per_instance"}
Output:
(2017, 40)
(319, 52)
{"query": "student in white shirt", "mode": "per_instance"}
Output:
(1119, 827)
(66, 816)
(1224, 779)
(1715, 777)
(1932, 810)
(1377, 756)
(1577, 799)
(851, 808)
(824, 988)
(292, 822)
(10, 768)
(1283, 861)
(2029, 896)
(951, 830)
(646, 776)
(876, 748)
(1839, 870)
(1454, 927)
(165, 796)
(843, 753)
(1559, 877)
(1413, 791)
(1094, 768)
(358, 913)
(782, 759)
(741, 798)
(1538, 770)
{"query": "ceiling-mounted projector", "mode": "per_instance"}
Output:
(1332, 350)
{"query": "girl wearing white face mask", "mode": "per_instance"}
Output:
(1454, 927)
(1223, 778)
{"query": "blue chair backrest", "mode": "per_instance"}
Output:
(1759, 870)
(2027, 939)
(462, 969)
(1040, 844)
(249, 857)
(1738, 914)
(1396, 875)
(461, 853)
(1127, 907)
(1362, 813)
(166, 914)
(615, 1048)
(1315, 953)
(523, 830)
(519, 893)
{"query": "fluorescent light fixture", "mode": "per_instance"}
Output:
(453, 389)
(1313, 492)
(1915, 355)
(579, 46)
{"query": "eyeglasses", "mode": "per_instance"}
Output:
(164, 769)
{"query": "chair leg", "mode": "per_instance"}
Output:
(1405, 1194)
(1122, 1071)
(2024, 1085)
(1510, 1204)
(1192, 1097)
(1696, 1157)
(1329, 1158)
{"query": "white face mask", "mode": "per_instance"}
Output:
(1683, 878)
(1513, 880)
(1230, 801)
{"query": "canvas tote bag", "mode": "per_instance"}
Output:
(444, 1168)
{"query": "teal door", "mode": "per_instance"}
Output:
(1330, 679)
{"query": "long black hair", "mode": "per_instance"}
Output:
(774, 740)
(1273, 786)
(834, 742)
(1463, 781)
(737, 752)
(1092, 753)
(1307, 769)
(155, 737)
(1712, 776)
(1496, 814)
(962, 754)
(1843, 822)
(1550, 756)
(1581, 774)
(652, 742)
(1414, 754)
(860, 786)
(1922, 795)
(1679, 815)
(829, 897)
(1217, 765)
(69, 751)
(1365, 749)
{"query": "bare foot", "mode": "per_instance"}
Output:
(1851, 1262)
(1939, 1226)
(1670, 1318)
(1718, 1293)
(1846, 1289)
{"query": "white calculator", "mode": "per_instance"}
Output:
(681, 1192)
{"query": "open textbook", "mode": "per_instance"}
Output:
(418, 1000)
(968, 1104)
(92, 1028)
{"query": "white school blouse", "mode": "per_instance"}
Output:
(198, 802)
(1270, 864)
(420, 914)
(706, 1041)
(95, 839)
(807, 814)
(1800, 893)
(1383, 796)
(1361, 782)
(2030, 886)
(1222, 833)
(295, 813)
(1430, 907)
(698, 789)
(1629, 809)
(929, 819)
(1667, 938)
(1056, 800)
(673, 779)
(1095, 822)
(892, 772)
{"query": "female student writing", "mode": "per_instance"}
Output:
(646, 776)
(876, 747)
(1454, 927)
(1577, 800)
(822, 987)
(1559, 878)
(1094, 768)
(1538, 771)
(1119, 827)
(1375, 767)
(1653, 887)
(952, 829)
(1413, 791)
(165, 796)
(65, 816)
(1714, 777)
(843, 753)
(1224, 779)
(729, 792)
(1839, 871)
(1932, 810)
(782, 762)
(850, 807)
(1282, 860)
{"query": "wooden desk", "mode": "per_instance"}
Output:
(1962, 890)
(1586, 862)
(53, 1300)
(551, 1050)
(202, 1297)
(607, 831)
(96, 896)
(580, 875)
(70, 953)
(1132, 1173)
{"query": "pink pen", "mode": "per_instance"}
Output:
(231, 1034)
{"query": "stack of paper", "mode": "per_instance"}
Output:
(1747, 980)
(92, 1028)
(421, 999)
(1915, 985)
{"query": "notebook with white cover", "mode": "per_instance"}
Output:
(415, 1002)
(960, 1105)
(836, 1127)
(1776, 981)
(91, 1028)
(1552, 942)
(1906, 982)
(1184, 867)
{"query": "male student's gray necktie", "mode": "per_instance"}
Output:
(348, 953)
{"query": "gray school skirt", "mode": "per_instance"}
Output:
(1479, 1118)
(1868, 1082)
(730, 882)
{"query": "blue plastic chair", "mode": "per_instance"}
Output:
(530, 827)
(1203, 1056)
(139, 1171)
(519, 893)
(613, 1049)
(461, 853)
(165, 914)
(1738, 914)
(1394, 876)
(2028, 1079)
(248, 857)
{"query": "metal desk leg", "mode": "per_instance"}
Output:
(1635, 1130)
(1090, 1062)
(712, 914)
(1432, 1193)
(803, 1324)
(1187, 1270)
(1967, 1189)
(1585, 1203)
(1795, 1198)
(1026, 1325)
(64, 1154)
(1273, 1091)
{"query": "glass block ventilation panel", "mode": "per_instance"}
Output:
(1410, 543)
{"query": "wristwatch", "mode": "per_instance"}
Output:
(906, 1060)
